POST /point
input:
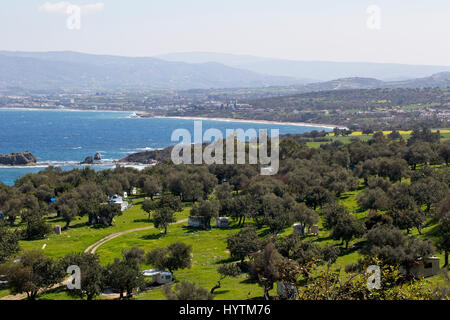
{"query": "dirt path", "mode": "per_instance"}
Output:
(93, 247)
(22, 296)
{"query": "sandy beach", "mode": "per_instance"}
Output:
(299, 124)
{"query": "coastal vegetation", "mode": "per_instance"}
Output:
(357, 109)
(380, 201)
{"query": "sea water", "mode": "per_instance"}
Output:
(65, 138)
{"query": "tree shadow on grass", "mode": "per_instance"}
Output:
(265, 233)
(433, 232)
(143, 220)
(155, 236)
(56, 219)
(256, 299)
(328, 238)
(217, 292)
(233, 226)
(227, 260)
(357, 246)
(248, 281)
(76, 226)
(99, 226)
(58, 290)
(188, 229)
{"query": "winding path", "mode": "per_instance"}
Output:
(92, 249)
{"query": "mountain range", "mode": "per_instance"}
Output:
(75, 71)
(68, 71)
(310, 71)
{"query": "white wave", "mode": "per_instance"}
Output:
(138, 167)
(145, 149)
(24, 167)
(59, 163)
(46, 164)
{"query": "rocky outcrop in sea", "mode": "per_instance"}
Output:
(98, 156)
(18, 159)
(88, 160)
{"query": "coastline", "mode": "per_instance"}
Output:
(298, 124)
(64, 109)
(63, 164)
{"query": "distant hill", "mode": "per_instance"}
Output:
(77, 71)
(72, 70)
(356, 99)
(438, 80)
(312, 70)
(344, 84)
(148, 156)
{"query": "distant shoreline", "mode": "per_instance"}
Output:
(46, 164)
(298, 124)
(64, 109)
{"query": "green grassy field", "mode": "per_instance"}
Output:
(80, 235)
(209, 251)
(364, 137)
(4, 292)
(209, 248)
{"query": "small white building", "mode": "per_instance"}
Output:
(222, 222)
(268, 171)
(315, 230)
(299, 228)
(197, 222)
(425, 267)
(116, 199)
(158, 276)
(286, 290)
(57, 229)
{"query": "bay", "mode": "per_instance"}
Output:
(68, 137)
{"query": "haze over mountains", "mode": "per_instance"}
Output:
(72, 70)
(311, 70)
(79, 71)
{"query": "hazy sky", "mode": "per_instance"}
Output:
(410, 31)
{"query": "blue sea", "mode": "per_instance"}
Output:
(66, 138)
